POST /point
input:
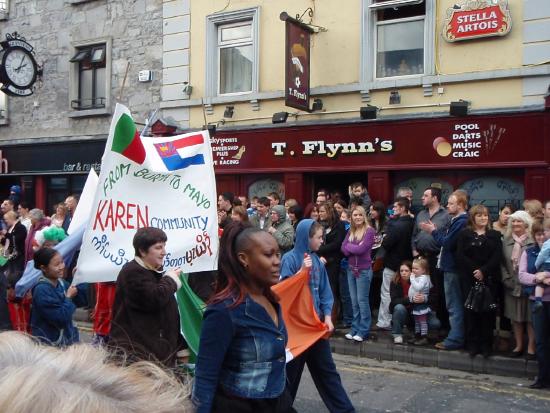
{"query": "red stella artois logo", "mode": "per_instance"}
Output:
(476, 19)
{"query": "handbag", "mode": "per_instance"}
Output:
(480, 299)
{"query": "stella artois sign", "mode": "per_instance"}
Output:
(475, 19)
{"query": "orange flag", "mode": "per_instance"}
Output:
(302, 322)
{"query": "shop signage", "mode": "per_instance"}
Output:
(475, 19)
(296, 63)
(440, 143)
(59, 158)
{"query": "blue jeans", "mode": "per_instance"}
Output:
(402, 316)
(347, 309)
(323, 372)
(455, 307)
(359, 288)
(541, 324)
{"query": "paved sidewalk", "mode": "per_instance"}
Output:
(383, 349)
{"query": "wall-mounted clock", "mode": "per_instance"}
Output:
(18, 68)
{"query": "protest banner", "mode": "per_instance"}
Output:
(167, 183)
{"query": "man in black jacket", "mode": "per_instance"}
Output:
(397, 248)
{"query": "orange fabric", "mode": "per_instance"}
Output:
(302, 322)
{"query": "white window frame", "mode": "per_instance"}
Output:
(4, 119)
(232, 43)
(369, 44)
(74, 78)
(213, 23)
(5, 11)
(375, 44)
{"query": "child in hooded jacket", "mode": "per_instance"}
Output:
(309, 237)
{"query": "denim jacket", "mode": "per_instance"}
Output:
(241, 351)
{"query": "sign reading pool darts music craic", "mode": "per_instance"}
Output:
(477, 18)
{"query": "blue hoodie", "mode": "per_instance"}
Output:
(318, 279)
(446, 238)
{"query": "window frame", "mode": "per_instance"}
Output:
(4, 115)
(375, 44)
(75, 77)
(212, 73)
(369, 47)
(230, 44)
(5, 12)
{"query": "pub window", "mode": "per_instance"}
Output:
(399, 37)
(3, 108)
(232, 53)
(4, 9)
(235, 57)
(91, 67)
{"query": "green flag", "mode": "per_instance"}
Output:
(191, 309)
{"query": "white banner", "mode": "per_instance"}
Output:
(167, 183)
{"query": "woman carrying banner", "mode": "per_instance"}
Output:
(146, 323)
(309, 237)
(241, 360)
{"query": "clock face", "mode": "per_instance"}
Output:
(20, 67)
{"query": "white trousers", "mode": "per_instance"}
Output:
(384, 316)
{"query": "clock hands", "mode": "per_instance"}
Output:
(21, 65)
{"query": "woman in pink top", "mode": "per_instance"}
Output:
(528, 276)
(357, 247)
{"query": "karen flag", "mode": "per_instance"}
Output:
(182, 152)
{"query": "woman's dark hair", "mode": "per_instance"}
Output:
(332, 218)
(297, 211)
(511, 207)
(233, 280)
(43, 256)
(397, 276)
(147, 237)
(309, 209)
(536, 228)
(478, 209)
(342, 203)
(381, 209)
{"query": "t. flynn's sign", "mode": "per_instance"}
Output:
(477, 18)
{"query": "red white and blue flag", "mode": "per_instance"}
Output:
(181, 153)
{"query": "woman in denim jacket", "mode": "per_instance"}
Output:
(241, 360)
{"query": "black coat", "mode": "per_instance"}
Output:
(397, 242)
(474, 252)
(146, 322)
(16, 253)
(332, 245)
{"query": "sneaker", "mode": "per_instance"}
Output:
(398, 340)
(357, 338)
(349, 336)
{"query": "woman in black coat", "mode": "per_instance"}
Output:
(330, 253)
(14, 248)
(478, 257)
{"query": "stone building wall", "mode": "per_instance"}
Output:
(52, 27)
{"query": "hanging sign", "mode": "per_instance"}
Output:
(296, 63)
(476, 19)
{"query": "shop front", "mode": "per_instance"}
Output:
(497, 158)
(48, 172)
